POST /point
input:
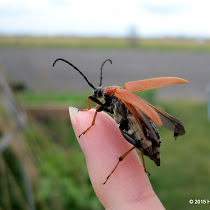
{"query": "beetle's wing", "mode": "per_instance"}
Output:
(150, 131)
(149, 145)
(146, 84)
(169, 122)
(138, 103)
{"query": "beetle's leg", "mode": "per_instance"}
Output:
(120, 159)
(100, 107)
(93, 122)
(129, 139)
(93, 99)
(89, 104)
(142, 156)
(136, 144)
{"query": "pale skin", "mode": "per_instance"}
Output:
(128, 188)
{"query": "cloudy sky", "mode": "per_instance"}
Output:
(110, 17)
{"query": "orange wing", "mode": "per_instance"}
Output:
(138, 103)
(146, 84)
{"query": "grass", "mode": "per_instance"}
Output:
(184, 172)
(29, 98)
(69, 98)
(183, 175)
(60, 161)
(106, 43)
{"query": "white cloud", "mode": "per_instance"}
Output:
(160, 17)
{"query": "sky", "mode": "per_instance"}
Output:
(116, 18)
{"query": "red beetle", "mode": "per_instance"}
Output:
(137, 119)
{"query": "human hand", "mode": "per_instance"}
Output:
(129, 187)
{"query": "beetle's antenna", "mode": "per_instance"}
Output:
(61, 59)
(102, 69)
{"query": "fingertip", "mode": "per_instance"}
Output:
(102, 145)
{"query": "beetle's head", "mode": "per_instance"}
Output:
(98, 92)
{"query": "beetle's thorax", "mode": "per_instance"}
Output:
(101, 92)
(110, 90)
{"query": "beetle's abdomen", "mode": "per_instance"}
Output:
(140, 130)
(145, 141)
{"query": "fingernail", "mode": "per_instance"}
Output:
(73, 113)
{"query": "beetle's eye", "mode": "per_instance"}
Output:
(95, 92)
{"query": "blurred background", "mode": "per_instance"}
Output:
(41, 164)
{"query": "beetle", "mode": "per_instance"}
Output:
(137, 119)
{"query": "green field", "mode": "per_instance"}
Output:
(107, 43)
(184, 172)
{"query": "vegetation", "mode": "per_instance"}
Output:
(107, 43)
(28, 98)
(69, 98)
(183, 174)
